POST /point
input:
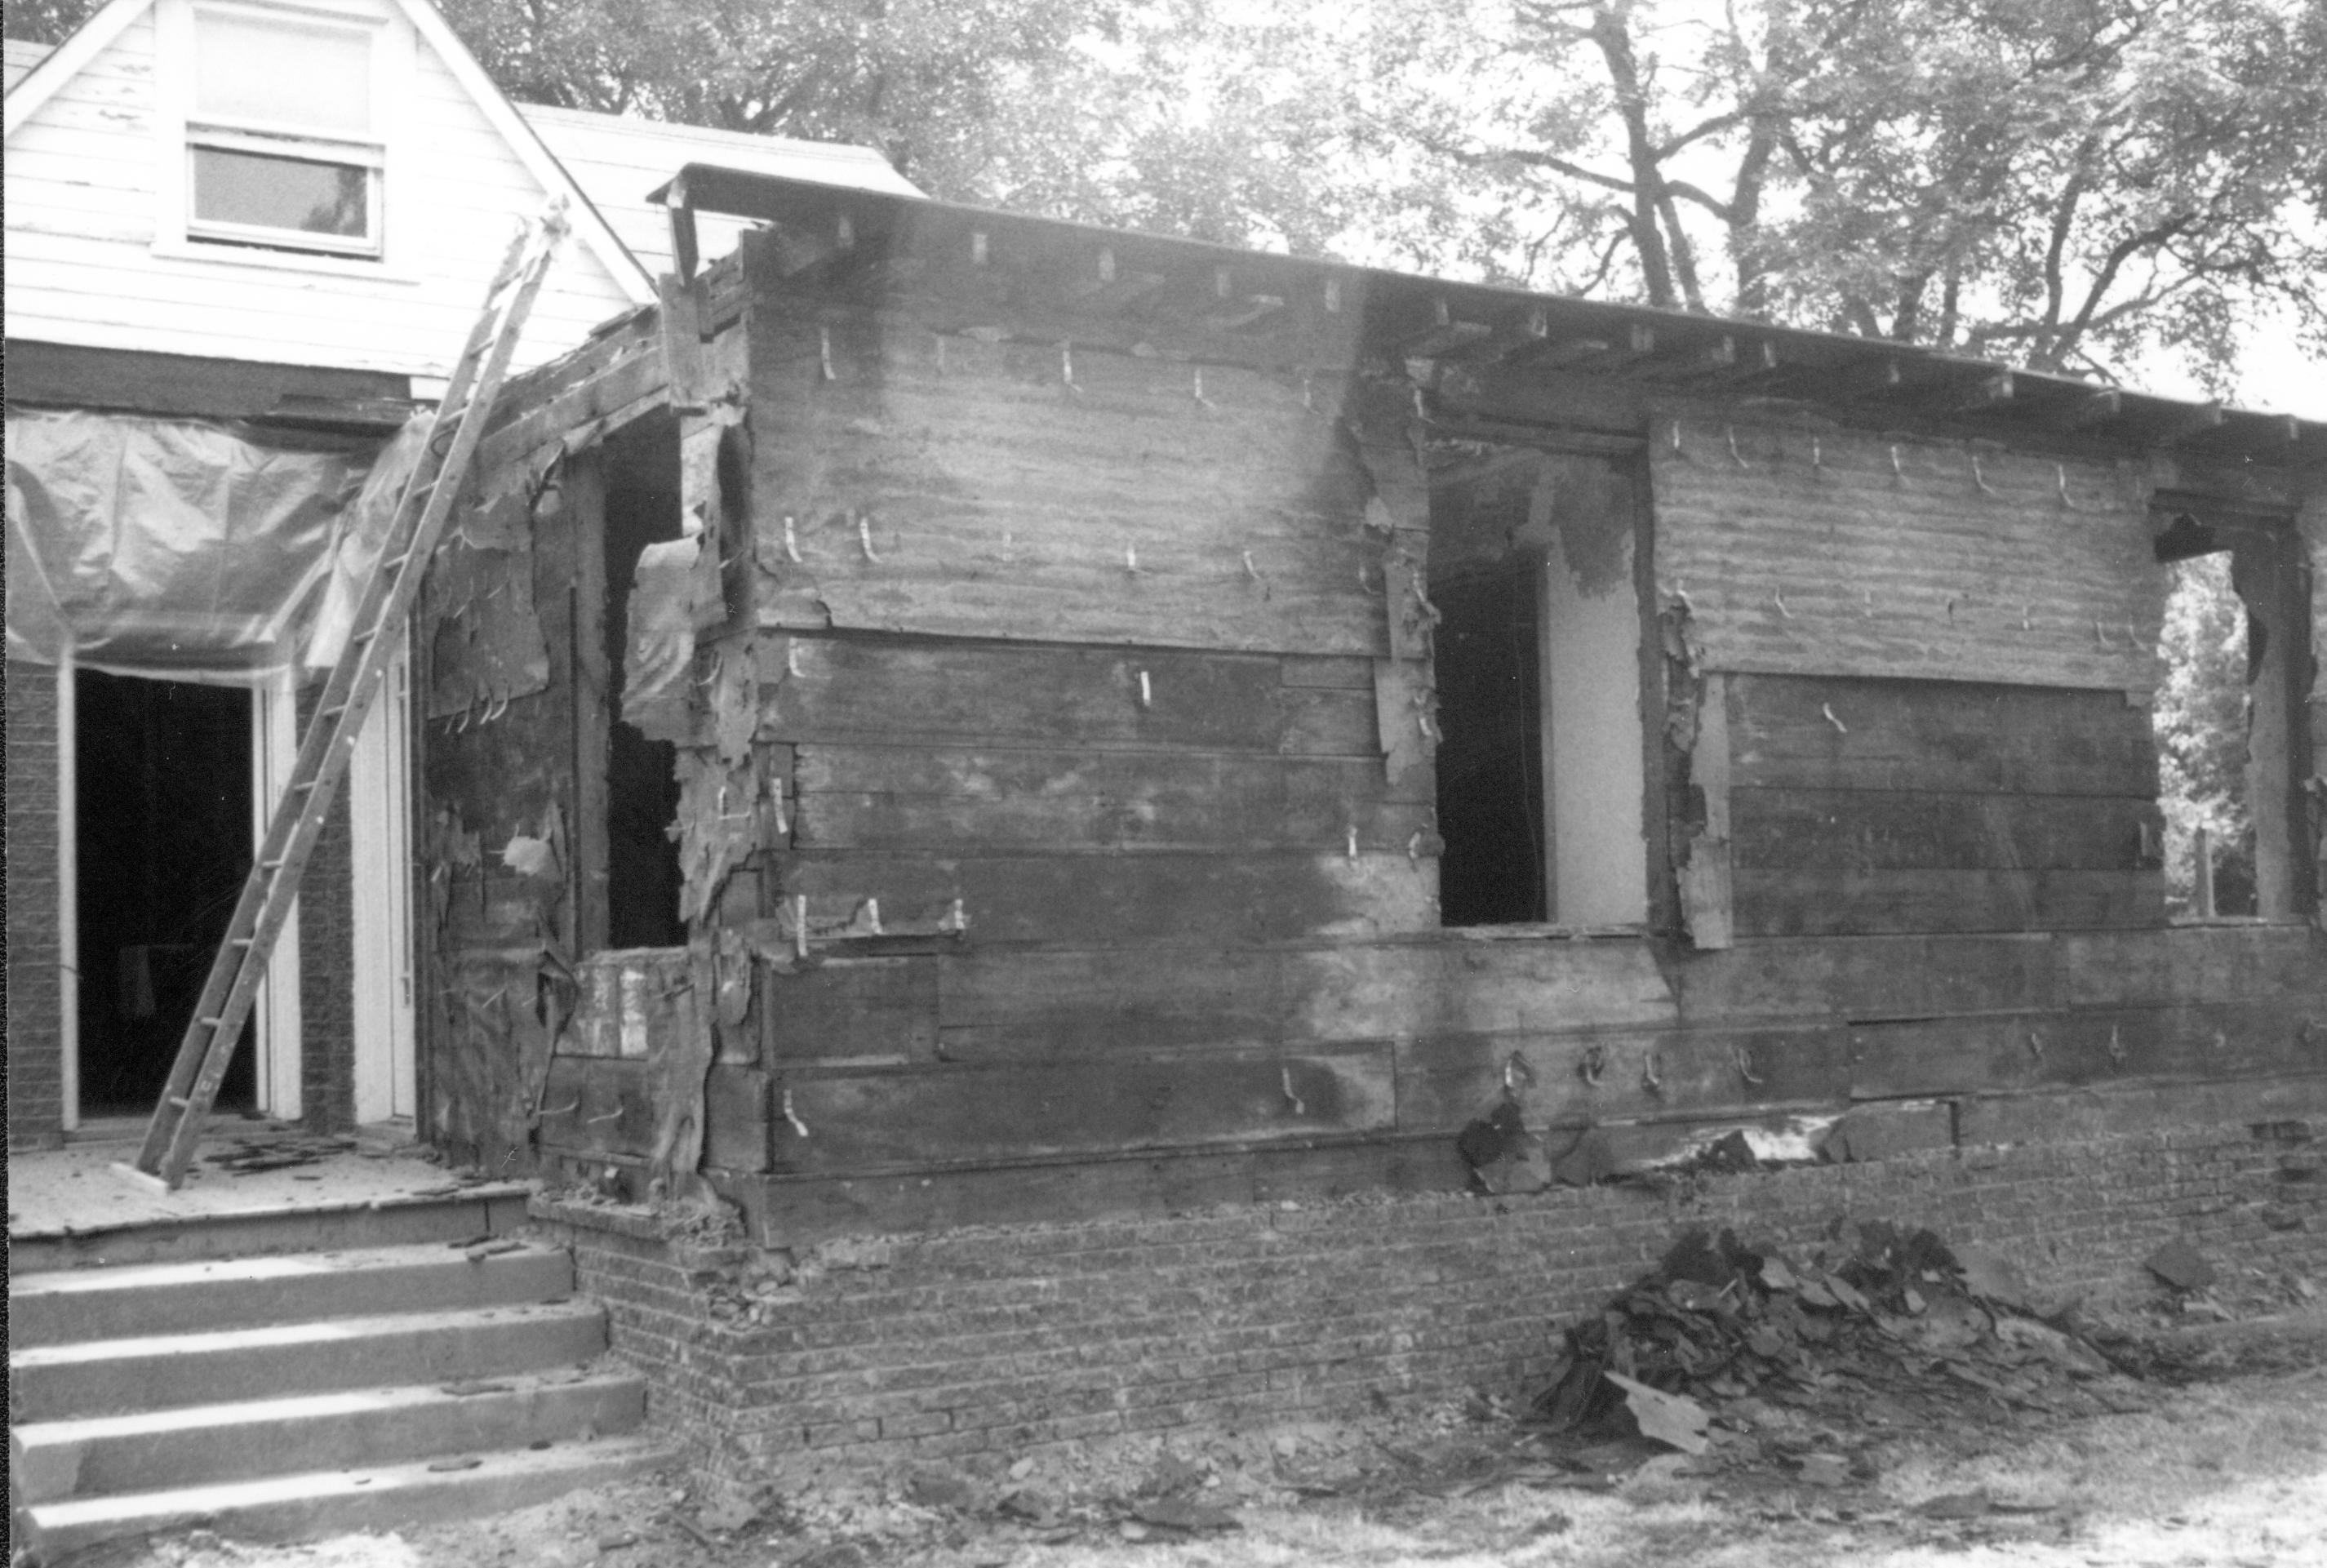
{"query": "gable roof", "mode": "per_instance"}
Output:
(27, 94)
(613, 163)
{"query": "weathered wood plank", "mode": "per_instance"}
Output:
(2199, 964)
(2112, 1110)
(795, 1209)
(1830, 552)
(949, 799)
(824, 689)
(871, 1120)
(1888, 830)
(1989, 1055)
(1870, 978)
(1048, 1005)
(1159, 899)
(735, 1103)
(854, 1010)
(599, 1105)
(1837, 733)
(982, 494)
(1444, 988)
(1832, 903)
(1446, 1081)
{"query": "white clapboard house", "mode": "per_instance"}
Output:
(245, 237)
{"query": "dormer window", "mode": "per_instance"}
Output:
(283, 148)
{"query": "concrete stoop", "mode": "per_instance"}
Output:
(273, 1397)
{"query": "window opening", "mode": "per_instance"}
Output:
(162, 843)
(644, 880)
(281, 145)
(2226, 718)
(1541, 794)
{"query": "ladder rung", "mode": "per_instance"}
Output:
(242, 942)
(182, 1102)
(210, 1022)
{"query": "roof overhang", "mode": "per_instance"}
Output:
(1465, 329)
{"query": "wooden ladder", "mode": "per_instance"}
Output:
(380, 614)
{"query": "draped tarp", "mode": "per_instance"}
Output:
(184, 550)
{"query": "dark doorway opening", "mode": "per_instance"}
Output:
(162, 845)
(1483, 567)
(643, 873)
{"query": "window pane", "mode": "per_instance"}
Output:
(290, 193)
(314, 78)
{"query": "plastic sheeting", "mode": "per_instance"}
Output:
(181, 550)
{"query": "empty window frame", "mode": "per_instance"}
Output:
(2229, 717)
(284, 147)
(1542, 766)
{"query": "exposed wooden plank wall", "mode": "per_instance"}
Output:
(1804, 553)
(1865, 806)
(941, 483)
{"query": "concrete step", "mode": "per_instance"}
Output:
(208, 1444)
(458, 1212)
(322, 1502)
(165, 1371)
(70, 1306)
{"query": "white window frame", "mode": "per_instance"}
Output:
(181, 131)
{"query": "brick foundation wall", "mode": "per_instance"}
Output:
(35, 1006)
(327, 1007)
(972, 1341)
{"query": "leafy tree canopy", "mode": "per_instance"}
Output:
(2061, 183)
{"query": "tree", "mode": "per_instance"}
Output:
(2202, 718)
(2061, 183)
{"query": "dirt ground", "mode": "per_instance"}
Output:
(2223, 1463)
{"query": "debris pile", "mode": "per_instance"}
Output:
(1751, 1356)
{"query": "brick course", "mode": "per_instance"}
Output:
(36, 1005)
(994, 1339)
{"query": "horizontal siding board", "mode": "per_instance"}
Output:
(2001, 1055)
(953, 799)
(2201, 964)
(1149, 900)
(816, 689)
(1772, 903)
(1060, 1005)
(1843, 734)
(1474, 987)
(1805, 553)
(1019, 1111)
(862, 1010)
(1870, 978)
(999, 500)
(597, 1104)
(1890, 830)
(1443, 1081)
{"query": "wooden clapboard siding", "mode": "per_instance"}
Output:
(83, 267)
(1161, 899)
(1052, 1002)
(1915, 829)
(938, 1116)
(971, 693)
(2003, 1053)
(864, 1010)
(1446, 1081)
(605, 1106)
(1788, 733)
(896, 798)
(1839, 904)
(1862, 806)
(1059, 1005)
(2201, 964)
(998, 500)
(1804, 553)
(1487, 986)
(1872, 977)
